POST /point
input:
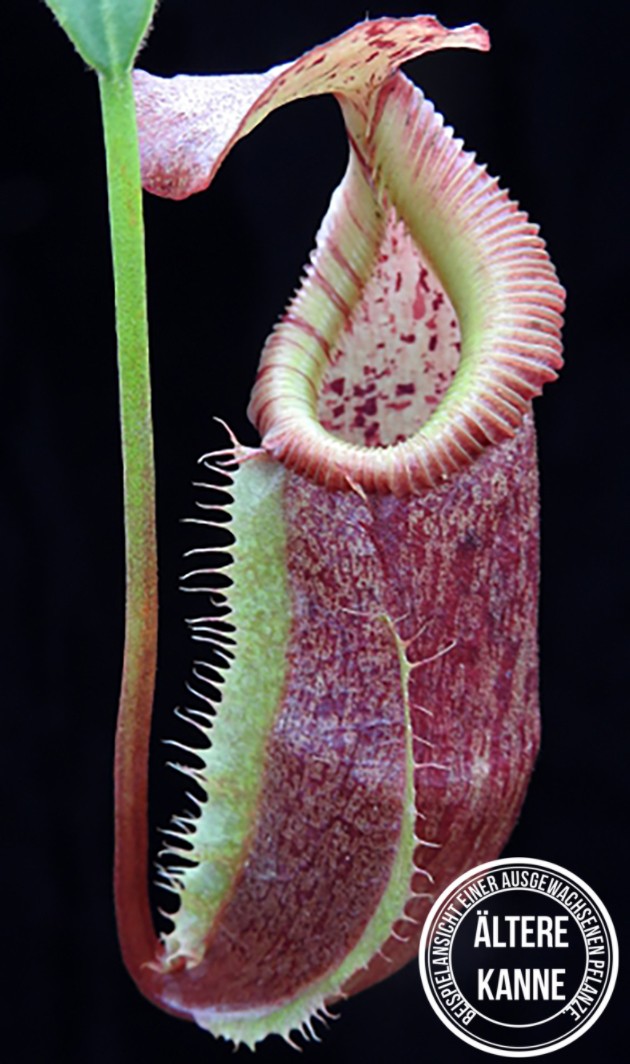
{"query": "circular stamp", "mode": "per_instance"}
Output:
(518, 957)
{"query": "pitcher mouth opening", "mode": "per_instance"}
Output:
(397, 354)
(428, 318)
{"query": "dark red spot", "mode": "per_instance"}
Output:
(336, 386)
(433, 342)
(398, 282)
(399, 406)
(408, 338)
(369, 407)
(418, 304)
(406, 389)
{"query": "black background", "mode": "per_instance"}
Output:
(545, 110)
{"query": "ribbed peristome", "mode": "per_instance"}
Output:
(405, 167)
